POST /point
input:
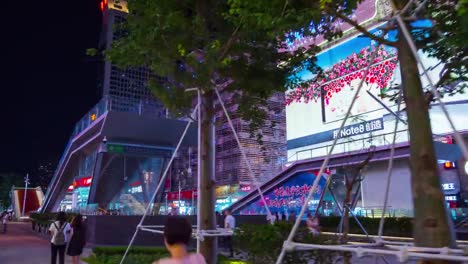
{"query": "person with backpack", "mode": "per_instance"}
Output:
(59, 231)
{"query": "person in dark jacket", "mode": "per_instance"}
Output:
(78, 239)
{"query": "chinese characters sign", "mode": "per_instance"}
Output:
(289, 195)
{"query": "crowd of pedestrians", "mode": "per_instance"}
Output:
(70, 238)
(67, 237)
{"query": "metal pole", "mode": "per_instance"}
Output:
(26, 181)
(179, 197)
(390, 168)
(198, 167)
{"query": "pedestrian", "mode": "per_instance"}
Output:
(77, 240)
(313, 224)
(4, 219)
(292, 217)
(59, 230)
(177, 234)
(229, 224)
(277, 216)
(271, 218)
(283, 217)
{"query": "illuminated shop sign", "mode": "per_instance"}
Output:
(79, 183)
(245, 188)
(226, 190)
(361, 128)
(190, 194)
(448, 186)
(136, 150)
(329, 135)
(451, 198)
(136, 189)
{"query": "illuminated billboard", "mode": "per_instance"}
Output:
(343, 70)
(314, 110)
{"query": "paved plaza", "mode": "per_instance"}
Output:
(22, 245)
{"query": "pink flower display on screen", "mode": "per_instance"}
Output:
(342, 73)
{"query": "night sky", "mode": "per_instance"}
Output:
(47, 81)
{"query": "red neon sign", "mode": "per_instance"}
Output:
(134, 184)
(82, 182)
(183, 195)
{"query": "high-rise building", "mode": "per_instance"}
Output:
(124, 87)
(266, 158)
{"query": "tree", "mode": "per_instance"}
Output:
(7, 181)
(443, 40)
(190, 44)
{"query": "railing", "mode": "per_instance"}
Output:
(349, 144)
(145, 107)
(376, 212)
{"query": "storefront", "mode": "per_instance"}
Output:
(77, 194)
(80, 192)
(226, 195)
(180, 203)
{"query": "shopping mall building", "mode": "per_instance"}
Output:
(313, 118)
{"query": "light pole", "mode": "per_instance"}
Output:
(26, 182)
(199, 196)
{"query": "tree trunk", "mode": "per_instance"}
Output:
(431, 224)
(208, 248)
(346, 203)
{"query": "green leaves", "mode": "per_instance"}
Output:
(199, 43)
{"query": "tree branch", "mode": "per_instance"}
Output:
(284, 7)
(361, 29)
(229, 43)
(362, 165)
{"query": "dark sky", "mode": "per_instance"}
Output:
(46, 80)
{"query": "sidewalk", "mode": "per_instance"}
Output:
(22, 245)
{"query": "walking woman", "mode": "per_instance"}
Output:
(59, 230)
(77, 240)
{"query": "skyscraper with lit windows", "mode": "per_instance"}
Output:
(127, 86)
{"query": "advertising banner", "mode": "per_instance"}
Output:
(290, 195)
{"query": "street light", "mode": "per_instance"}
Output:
(26, 182)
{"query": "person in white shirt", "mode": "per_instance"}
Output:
(229, 223)
(4, 219)
(313, 224)
(177, 234)
(271, 218)
(59, 230)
